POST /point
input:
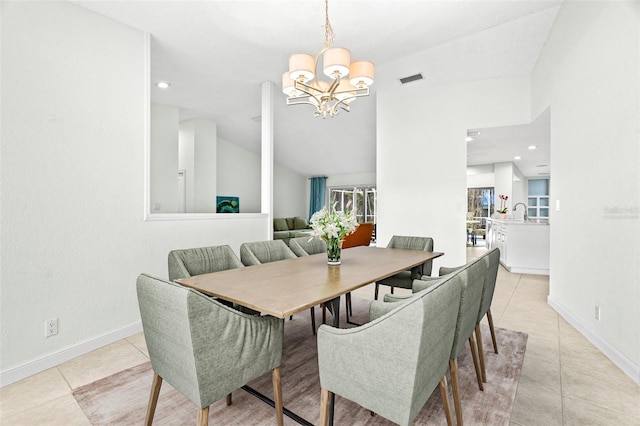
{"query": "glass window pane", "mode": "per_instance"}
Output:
(544, 212)
(538, 186)
(532, 212)
(544, 201)
(533, 201)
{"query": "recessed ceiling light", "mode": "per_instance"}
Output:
(517, 157)
(163, 85)
(469, 138)
(532, 147)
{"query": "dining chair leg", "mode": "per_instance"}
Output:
(277, 395)
(453, 366)
(444, 393)
(325, 397)
(493, 332)
(153, 399)
(481, 353)
(313, 320)
(476, 364)
(229, 400)
(203, 416)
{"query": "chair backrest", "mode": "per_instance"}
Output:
(492, 262)
(416, 338)
(360, 237)
(472, 276)
(264, 252)
(414, 243)
(304, 246)
(191, 346)
(202, 260)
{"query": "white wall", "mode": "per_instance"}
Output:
(589, 74)
(238, 172)
(422, 183)
(164, 158)
(289, 193)
(72, 235)
(352, 179)
(198, 140)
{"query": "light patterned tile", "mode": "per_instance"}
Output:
(101, 363)
(32, 391)
(63, 410)
(138, 341)
(590, 376)
(577, 412)
(570, 336)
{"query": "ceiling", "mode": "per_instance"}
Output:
(216, 54)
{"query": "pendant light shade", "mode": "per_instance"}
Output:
(287, 84)
(361, 73)
(336, 61)
(301, 66)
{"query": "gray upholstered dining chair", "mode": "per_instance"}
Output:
(202, 260)
(414, 336)
(405, 279)
(492, 262)
(260, 252)
(473, 276)
(305, 246)
(205, 349)
(264, 252)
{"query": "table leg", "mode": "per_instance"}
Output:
(335, 307)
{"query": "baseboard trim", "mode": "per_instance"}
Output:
(625, 364)
(53, 359)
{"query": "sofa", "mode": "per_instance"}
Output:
(285, 228)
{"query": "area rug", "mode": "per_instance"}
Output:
(121, 399)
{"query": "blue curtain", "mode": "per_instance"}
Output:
(316, 202)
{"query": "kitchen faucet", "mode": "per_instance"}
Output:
(526, 216)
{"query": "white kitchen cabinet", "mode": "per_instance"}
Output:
(524, 246)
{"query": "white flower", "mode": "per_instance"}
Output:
(334, 225)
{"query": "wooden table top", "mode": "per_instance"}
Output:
(289, 286)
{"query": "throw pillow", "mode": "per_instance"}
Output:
(299, 223)
(280, 224)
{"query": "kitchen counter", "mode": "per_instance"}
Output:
(524, 245)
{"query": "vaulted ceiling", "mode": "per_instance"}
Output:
(216, 55)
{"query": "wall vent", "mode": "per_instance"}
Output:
(411, 78)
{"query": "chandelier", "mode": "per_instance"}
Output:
(302, 86)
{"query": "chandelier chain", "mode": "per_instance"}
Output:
(329, 35)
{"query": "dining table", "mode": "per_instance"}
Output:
(287, 287)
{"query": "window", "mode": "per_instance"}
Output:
(538, 200)
(360, 200)
(480, 201)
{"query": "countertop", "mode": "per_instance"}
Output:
(521, 222)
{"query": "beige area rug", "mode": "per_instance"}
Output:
(121, 399)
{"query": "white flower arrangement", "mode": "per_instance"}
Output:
(332, 226)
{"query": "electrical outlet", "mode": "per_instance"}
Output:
(597, 313)
(51, 327)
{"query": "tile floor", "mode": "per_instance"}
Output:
(565, 379)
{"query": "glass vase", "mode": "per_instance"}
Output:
(334, 249)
